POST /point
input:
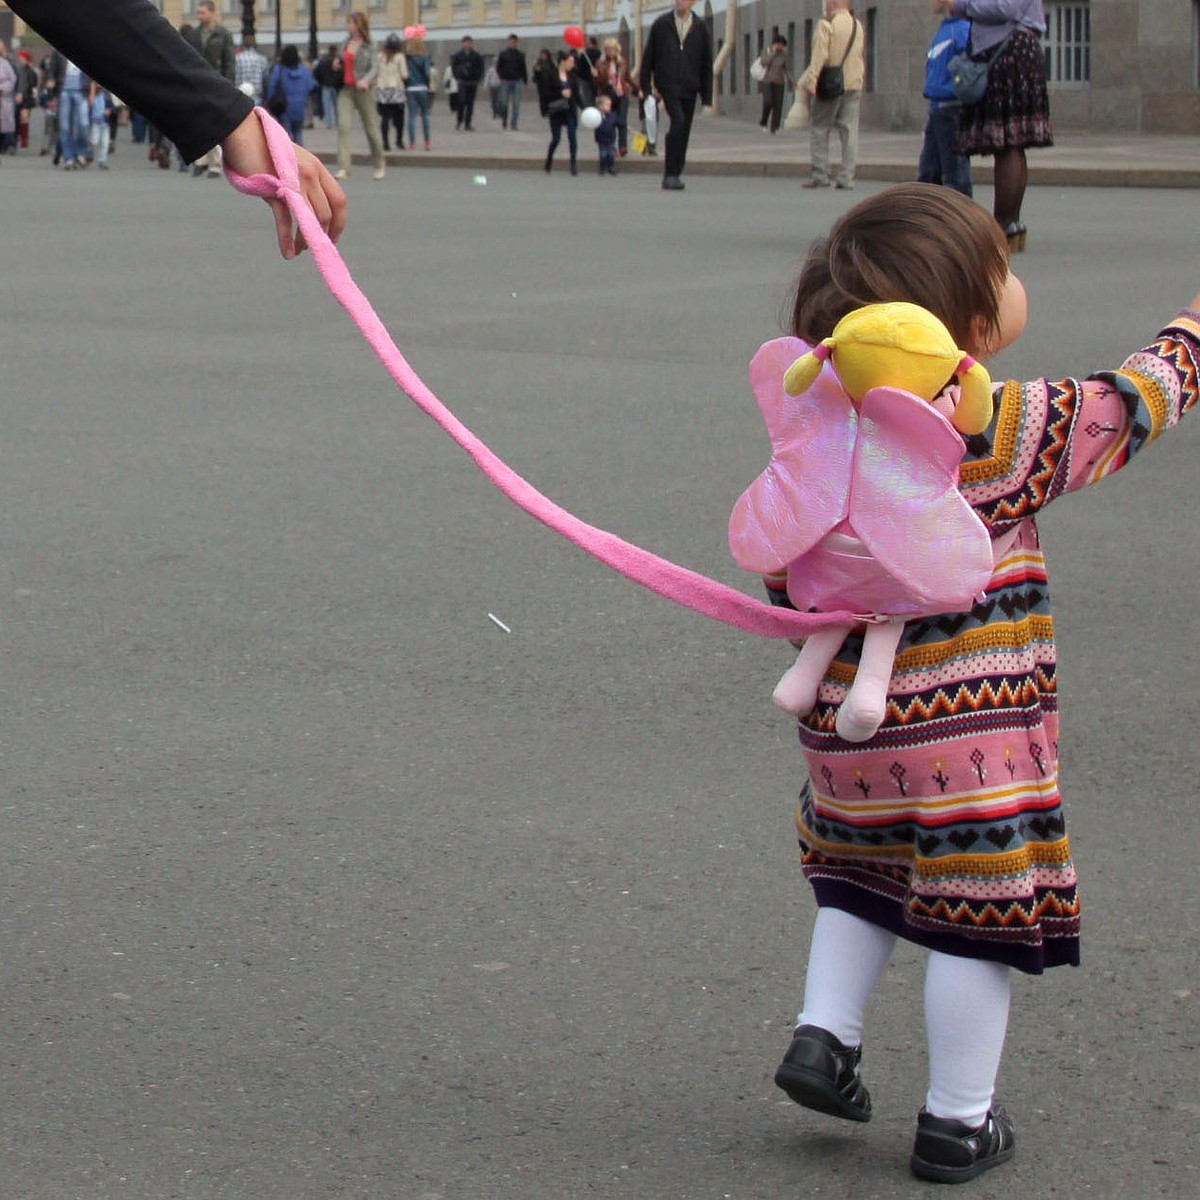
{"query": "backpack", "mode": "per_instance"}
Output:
(277, 98)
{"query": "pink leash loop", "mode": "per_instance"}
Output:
(685, 587)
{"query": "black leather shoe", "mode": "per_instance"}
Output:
(672, 183)
(948, 1151)
(818, 1072)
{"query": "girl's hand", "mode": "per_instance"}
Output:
(246, 152)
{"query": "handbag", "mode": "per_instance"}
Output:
(558, 106)
(831, 82)
(969, 76)
(798, 116)
(758, 70)
(277, 100)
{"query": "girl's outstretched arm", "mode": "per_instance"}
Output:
(1051, 437)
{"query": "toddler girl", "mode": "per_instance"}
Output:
(946, 827)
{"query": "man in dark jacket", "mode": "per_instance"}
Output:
(215, 43)
(678, 61)
(467, 68)
(510, 66)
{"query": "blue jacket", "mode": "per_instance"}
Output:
(606, 132)
(298, 82)
(418, 71)
(951, 38)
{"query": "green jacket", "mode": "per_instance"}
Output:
(216, 45)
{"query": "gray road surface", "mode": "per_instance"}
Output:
(319, 884)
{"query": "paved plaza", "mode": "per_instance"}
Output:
(362, 838)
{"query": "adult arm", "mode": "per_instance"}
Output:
(818, 58)
(706, 70)
(228, 58)
(646, 66)
(133, 51)
(999, 12)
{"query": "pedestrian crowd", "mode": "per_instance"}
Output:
(388, 89)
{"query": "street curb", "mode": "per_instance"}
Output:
(1040, 174)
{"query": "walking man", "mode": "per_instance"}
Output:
(467, 68)
(215, 44)
(514, 74)
(677, 62)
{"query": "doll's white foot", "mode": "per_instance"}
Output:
(796, 692)
(858, 719)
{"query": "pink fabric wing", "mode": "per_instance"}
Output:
(805, 490)
(905, 504)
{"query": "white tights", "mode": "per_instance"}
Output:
(966, 1008)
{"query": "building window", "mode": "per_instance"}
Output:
(1068, 43)
(1196, 43)
(870, 27)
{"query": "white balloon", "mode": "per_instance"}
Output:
(590, 118)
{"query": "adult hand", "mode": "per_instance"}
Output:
(246, 152)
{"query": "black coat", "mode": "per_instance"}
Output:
(683, 71)
(510, 65)
(467, 66)
(550, 87)
(129, 48)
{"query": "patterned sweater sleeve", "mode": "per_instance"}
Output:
(1048, 438)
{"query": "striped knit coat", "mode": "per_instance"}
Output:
(947, 827)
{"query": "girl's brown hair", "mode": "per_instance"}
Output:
(918, 242)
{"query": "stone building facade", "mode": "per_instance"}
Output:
(1114, 65)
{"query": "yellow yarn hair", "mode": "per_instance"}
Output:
(898, 345)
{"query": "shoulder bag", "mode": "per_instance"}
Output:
(969, 76)
(277, 99)
(831, 82)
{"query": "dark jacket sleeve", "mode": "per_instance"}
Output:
(129, 48)
(649, 54)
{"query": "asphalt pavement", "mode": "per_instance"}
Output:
(362, 838)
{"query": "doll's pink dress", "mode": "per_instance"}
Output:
(859, 504)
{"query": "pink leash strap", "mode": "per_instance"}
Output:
(685, 587)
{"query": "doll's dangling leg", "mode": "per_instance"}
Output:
(796, 692)
(865, 705)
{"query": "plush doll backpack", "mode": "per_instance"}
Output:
(860, 503)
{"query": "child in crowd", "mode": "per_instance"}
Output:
(100, 113)
(940, 161)
(946, 827)
(606, 135)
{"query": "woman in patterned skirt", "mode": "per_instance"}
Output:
(1015, 110)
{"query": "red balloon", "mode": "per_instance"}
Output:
(573, 36)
